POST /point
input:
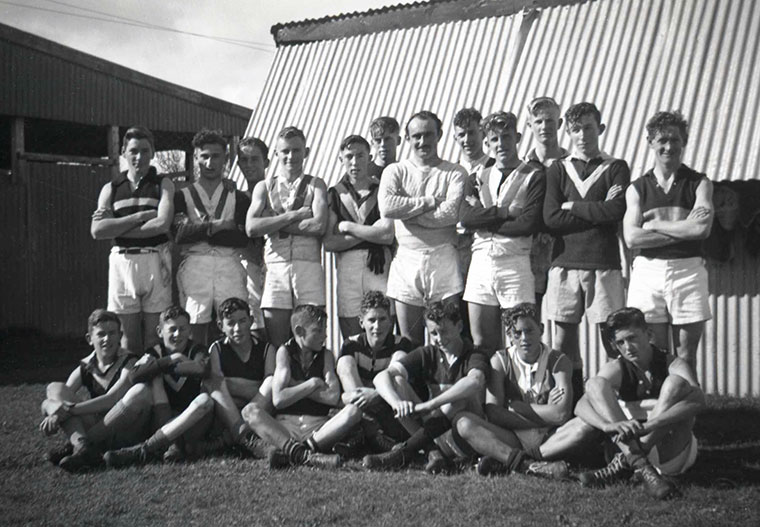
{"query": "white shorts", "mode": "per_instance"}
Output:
(205, 281)
(420, 277)
(503, 281)
(254, 283)
(570, 292)
(673, 291)
(293, 284)
(302, 427)
(355, 279)
(139, 283)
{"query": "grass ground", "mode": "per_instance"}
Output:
(722, 489)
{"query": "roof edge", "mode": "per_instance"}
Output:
(402, 16)
(43, 45)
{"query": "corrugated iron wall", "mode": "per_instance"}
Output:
(631, 58)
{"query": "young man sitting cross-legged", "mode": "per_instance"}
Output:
(455, 374)
(645, 402)
(91, 424)
(529, 398)
(305, 390)
(361, 358)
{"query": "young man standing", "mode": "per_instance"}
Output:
(669, 212)
(645, 402)
(544, 120)
(357, 234)
(385, 138)
(209, 221)
(290, 211)
(135, 210)
(423, 195)
(583, 207)
(253, 160)
(504, 214)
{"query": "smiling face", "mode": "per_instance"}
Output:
(544, 124)
(138, 154)
(470, 140)
(355, 160)
(668, 145)
(526, 336)
(377, 324)
(175, 334)
(253, 164)
(423, 135)
(584, 135)
(105, 339)
(236, 326)
(445, 335)
(502, 145)
(291, 153)
(211, 158)
(634, 345)
(385, 146)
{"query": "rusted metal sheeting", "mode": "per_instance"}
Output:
(44, 80)
(630, 58)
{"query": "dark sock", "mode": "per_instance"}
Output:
(118, 419)
(157, 443)
(515, 458)
(162, 413)
(296, 452)
(534, 453)
(418, 441)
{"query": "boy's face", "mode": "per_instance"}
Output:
(355, 160)
(237, 327)
(633, 343)
(138, 153)
(469, 139)
(384, 146)
(105, 338)
(544, 125)
(211, 158)
(445, 334)
(377, 324)
(312, 336)
(584, 135)
(526, 335)
(253, 164)
(667, 146)
(175, 334)
(423, 136)
(502, 145)
(291, 153)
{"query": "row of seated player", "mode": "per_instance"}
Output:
(547, 224)
(503, 412)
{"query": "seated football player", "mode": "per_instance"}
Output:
(305, 393)
(455, 374)
(361, 358)
(645, 402)
(101, 420)
(529, 397)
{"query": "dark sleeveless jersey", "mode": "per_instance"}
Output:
(349, 205)
(145, 197)
(635, 386)
(181, 390)
(98, 381)
(254, 369)
(305, 406)
(676, 204)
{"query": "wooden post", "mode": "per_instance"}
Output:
(18, 164)
(113, 149)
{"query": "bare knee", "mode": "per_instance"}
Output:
(465, 424)
(397, 356)
(203, 403)
(57, 391)
(139, 393)
(674, 388)
(251, 413)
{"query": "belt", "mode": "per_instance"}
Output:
(136, 250)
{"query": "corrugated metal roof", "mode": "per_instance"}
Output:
(631, 58)
(43, 79)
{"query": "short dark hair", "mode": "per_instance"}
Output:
(375, 300)
(427, 116)
(542, 103)
(498, 122)
(306, 315)
(289, 132)
(662, 120)
(138, 132)
(172, 313)
(352, 140)
(467, 115)
(382, 125)
(209, 137)
(101, 315)
(576, 111)
(627, 317)
(524, 310)
(438, 311)
(229, 306)
(253, 142)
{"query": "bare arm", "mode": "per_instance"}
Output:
(328, 394)
(467, 386)
(106, 401)
(335, 241)
(105, 227)
(689, 406)
(557, 410)
(496, 409)
(380, 232)
(315, 224)
(384, 384)
(284, 395)
(635, 236)
(258, 220)
(697, 225)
